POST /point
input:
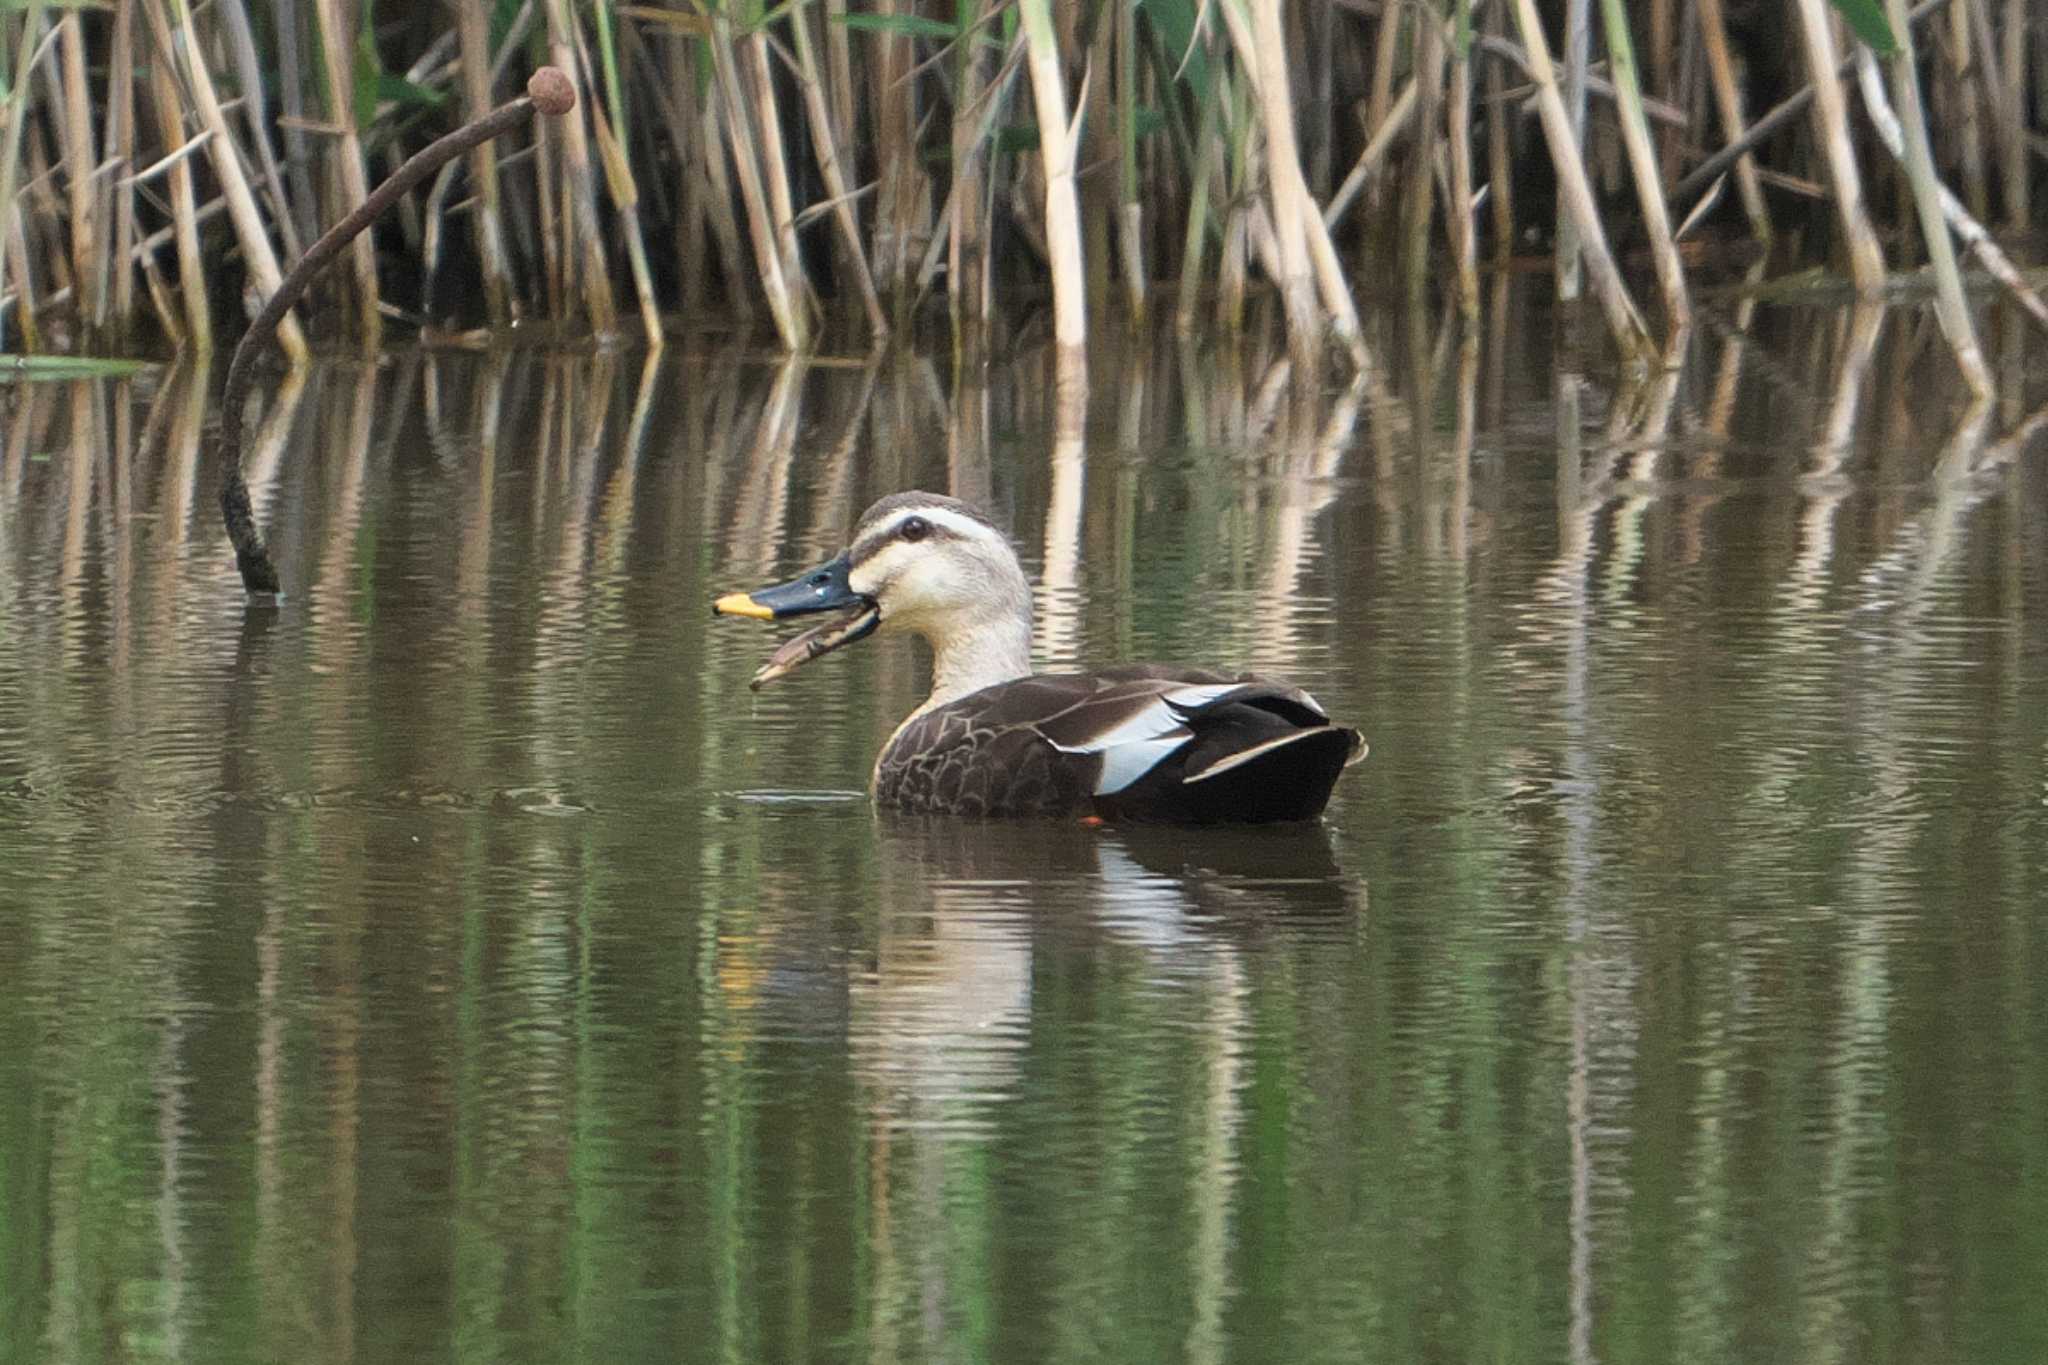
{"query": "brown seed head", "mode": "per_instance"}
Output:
(551, 91)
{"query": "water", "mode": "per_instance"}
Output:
(457, 962)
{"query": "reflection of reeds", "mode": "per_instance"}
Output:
(765, 158)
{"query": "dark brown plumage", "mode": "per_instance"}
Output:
(1242, 749)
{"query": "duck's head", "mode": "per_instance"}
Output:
(918, 562)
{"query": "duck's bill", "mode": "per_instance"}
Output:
(824, 588)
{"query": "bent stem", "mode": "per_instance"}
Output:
(549, 92)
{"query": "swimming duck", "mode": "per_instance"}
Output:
(1138, 742)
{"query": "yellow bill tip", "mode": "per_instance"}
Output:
(739, 604)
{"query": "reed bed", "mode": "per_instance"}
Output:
(843, 169)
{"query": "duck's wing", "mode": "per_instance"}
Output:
(1132, 741)
(1153, 733)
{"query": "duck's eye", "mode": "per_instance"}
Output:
(915, 529)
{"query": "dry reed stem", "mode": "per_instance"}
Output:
(783, 304)
(713, 147)
(1499, 173)
(1965, 71)
(1379, 109)
(1418, 205)
(1728, 104)
(903, 193)
(16, 241)
(485, 222)
(257, 255)
(839, 61)
(1642, 155)
(120, 144)
(825, 143)
(184, 217)
(351, 182)
(1195, 237)
(1388, 132)
(14, 113)
(608, 126)
(1255, 35)
(775, 171)
(1578, 38)
(1948, 209)
(1458, 213)
(1577, 192)
(2018, 171)
(256, 114)
(74, 136)
(1131, 208)
(1831, 127)
(1056, 139)
(592, 274)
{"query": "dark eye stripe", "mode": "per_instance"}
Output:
(875, 541)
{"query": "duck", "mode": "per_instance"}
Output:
(1142, 742)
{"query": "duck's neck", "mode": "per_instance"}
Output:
(977, 655)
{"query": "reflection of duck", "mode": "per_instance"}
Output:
(1141, 742)
(941, 1000)
(1258, 875)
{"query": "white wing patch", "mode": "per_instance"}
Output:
(1138, 743)
(1126, 763)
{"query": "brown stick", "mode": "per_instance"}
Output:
(549, 92)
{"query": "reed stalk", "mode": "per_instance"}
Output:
(902, 192)
(1713, 26)
(1369, 160)
(1965, 72)
(14, 111)
(1906, 133)
(2019, 215)
(1576, 190)
(486, 222)
(775, 171)
(791, 323)
(1234, 262)
(1419, 203)
(1972, 233)
(256, 117)
(1195, 237)
(1130, 207)
(16, 242)
(349, 181)
(827, 136)
(591, 275)
(185, 218)
(1379, 107)
(120, 153)
(1499, 171)
(1831, 128)
(1056, 143)
(1254, 31)
(1642, 155)
(1458, 213)
(1578, 40)
(608, 125)
(74, 138)
(182, 43)
(713, 145)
